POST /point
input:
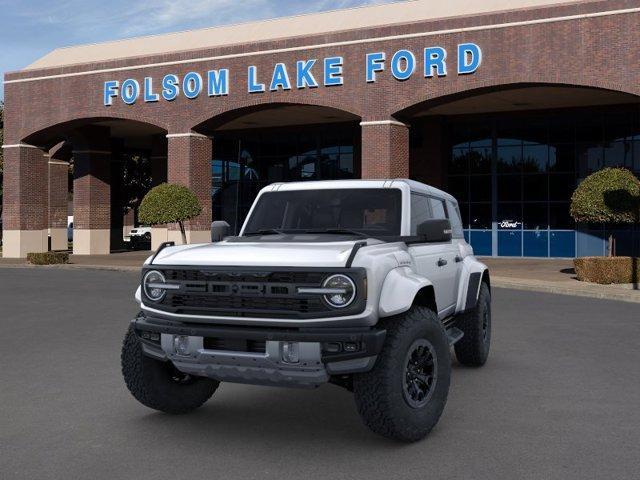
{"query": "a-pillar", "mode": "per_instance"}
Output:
(92, 192)
(385, 149)
(25, 214)
(158, 158)
(189, 164)
(58, 195)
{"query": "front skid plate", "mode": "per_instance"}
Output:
(257, 368)
(266, 368)
(256, 375)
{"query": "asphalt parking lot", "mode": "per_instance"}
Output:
(559, 398)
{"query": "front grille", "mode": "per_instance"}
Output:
(245, 306)
(253, 293)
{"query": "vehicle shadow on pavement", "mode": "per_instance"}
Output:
(253, 415)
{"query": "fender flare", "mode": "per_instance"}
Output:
(138, 295)
(399, 289)
(471, 277)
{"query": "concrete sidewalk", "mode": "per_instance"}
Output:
(540, 275)
(553, 276)
(122, 261)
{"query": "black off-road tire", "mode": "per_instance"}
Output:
(473, 349)
(380, 394)
(158, 384)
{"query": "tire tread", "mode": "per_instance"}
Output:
(377, 409)
(470, 349)
(148, 388)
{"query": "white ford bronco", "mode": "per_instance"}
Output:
(365, 284)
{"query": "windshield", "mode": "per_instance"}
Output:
(372, 212)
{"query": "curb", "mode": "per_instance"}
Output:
(74, 266)
(603, 293)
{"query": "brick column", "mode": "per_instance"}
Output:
(92, 192)
(189, 164)
(385, 149)
(58, 196)
(158, 158)
(25, 215)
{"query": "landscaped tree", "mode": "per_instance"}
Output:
(611, 195)
(169, 203)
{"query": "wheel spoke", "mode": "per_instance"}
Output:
(426, 379)
(413, 389)
(419, 374)
(426, 361)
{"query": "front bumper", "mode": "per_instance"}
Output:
(319, 358)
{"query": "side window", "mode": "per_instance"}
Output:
(438, 208)
(456, 222)
(420, 211)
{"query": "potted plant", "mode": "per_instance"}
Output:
(609, 196)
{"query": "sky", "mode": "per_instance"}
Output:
(30, 29)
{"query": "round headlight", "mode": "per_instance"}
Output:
(343, 291)
(149, 282)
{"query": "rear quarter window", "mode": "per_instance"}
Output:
(420, 211)
(438, 208)
(454, 217)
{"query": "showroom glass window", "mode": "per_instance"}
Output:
(514, 175)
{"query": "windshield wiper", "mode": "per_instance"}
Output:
(266, 231)
(339, 231)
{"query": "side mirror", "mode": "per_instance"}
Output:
(219, 230)
(435, 230)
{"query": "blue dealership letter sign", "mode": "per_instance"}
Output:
(333, 71)
(469, 58)
(375, 63)
(218, 82)
(110, 92)
(252, 80)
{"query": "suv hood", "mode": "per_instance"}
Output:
(259, 254)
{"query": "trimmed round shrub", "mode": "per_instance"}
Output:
(611, 195)
(168, 203)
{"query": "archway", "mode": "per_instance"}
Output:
(262, 144)
(513, 155)
(113, 162)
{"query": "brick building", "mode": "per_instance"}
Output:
(507, 104)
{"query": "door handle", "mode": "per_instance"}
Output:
(442, 262)
(459, 258)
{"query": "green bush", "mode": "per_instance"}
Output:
(611, 195)
(607, 270)
(48, 258)
(169, 203)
